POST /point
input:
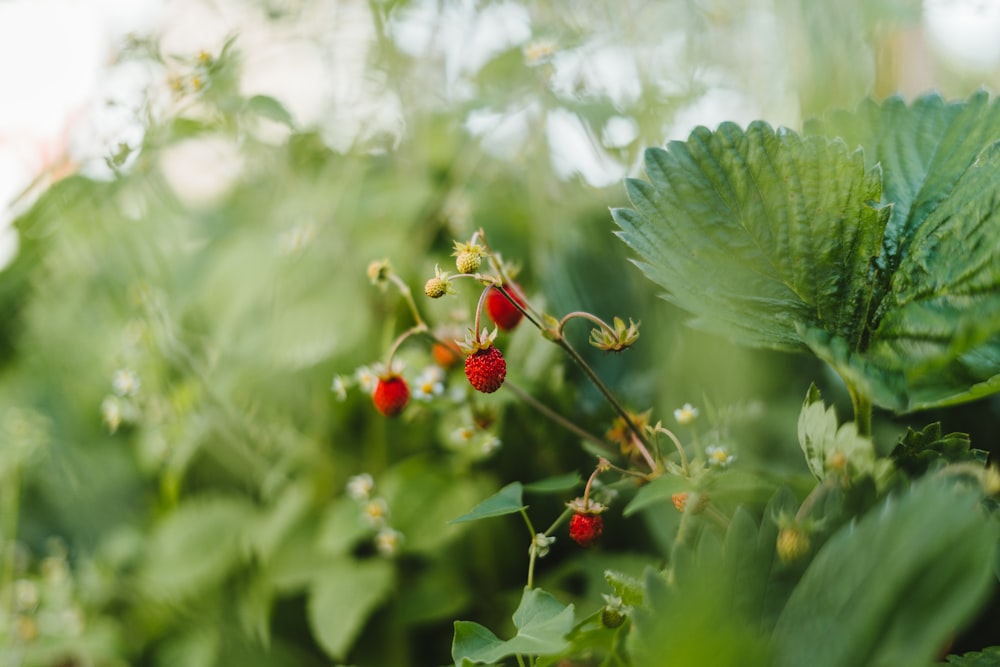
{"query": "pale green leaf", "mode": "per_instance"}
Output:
(343, 597)
(505, 501)
(830, 448)
(196, 546)
(542, 624)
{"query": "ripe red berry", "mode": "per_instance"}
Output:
(486, 369)
(503, 313)
(584, 529)
(391, 395)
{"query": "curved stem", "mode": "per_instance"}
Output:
(404, 289)
(581, 314)
(479, 310)
(677, 444)
(418, 328)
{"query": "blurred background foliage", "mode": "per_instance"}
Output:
(172, 458)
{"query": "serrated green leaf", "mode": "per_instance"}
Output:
(629, 589)
(343, 597)
(505, 501)
(790, 242)
(757, 232)
(894, 589)
(989, 657)
(934, 339)
(824, 442)
(917, 451)
(542, 624)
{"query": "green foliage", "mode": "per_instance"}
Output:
(342, 598)
(919, 451)
(832, 449)
(542, 623)
(988, 658)
(882, 261)
(901, 614)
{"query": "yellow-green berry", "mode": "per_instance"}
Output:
(793, 544)
(436, 287)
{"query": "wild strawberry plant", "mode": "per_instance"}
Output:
(871, 240)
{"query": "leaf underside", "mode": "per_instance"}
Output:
(884, 261)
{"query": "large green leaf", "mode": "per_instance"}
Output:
(759, 232)
(542, 624)
(895, 585)
(789, 242)
(343, 597)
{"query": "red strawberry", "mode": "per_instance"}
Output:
(391, 395)
(584, 529)
(486, 369)
(503, 313)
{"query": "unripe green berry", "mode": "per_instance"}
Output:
(468, 262)
(793, 544)
(436, 287)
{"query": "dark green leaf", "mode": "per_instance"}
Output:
(505, 501)
(896, 585)
(917, 451)
(987, 658)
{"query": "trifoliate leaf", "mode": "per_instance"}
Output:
(542, 624)
(791, 242)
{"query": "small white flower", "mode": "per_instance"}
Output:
(719, 456)
(540, 545)
(360, 486)
(339, 387)
(429, 384)
(367, 379)
(124, 382)
(686, 414)
(376, 512)
(388, 541)
(463, 434)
